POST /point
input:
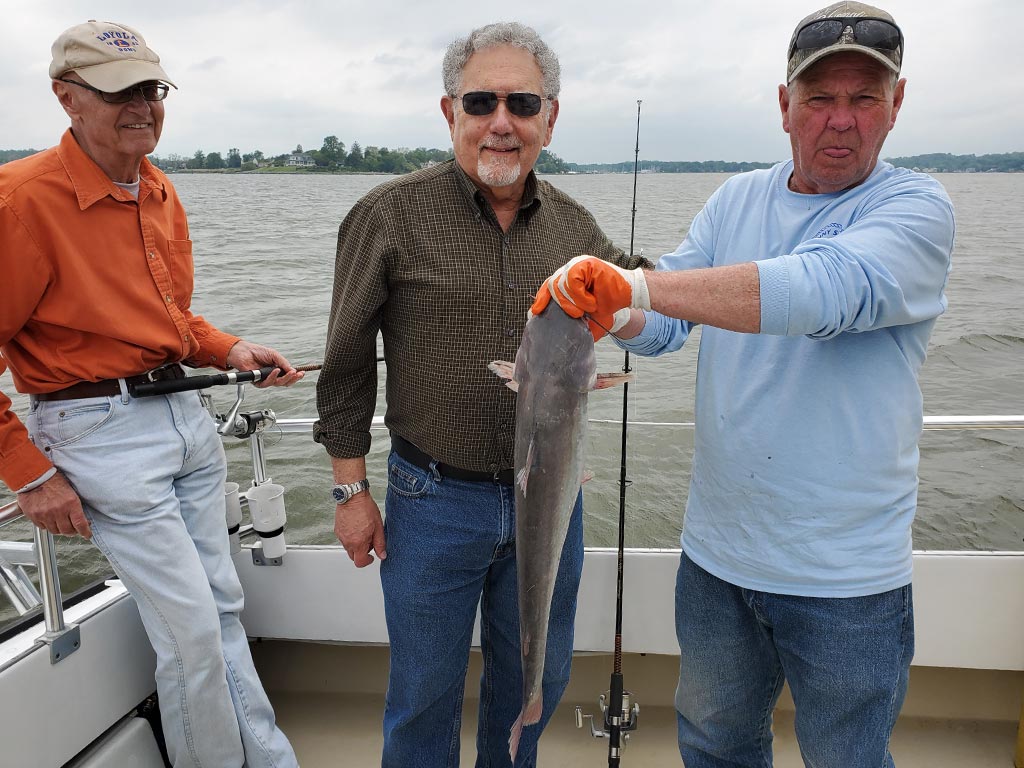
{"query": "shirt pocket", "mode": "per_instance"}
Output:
(181, 269)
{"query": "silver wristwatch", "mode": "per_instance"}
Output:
(342, 492)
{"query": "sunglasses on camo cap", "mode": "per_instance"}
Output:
(879, 34)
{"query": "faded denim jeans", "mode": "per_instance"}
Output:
(847, 661)
(451, 547)
(150, 473)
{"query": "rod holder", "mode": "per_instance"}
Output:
(266, 507)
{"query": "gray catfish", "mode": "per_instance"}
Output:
(553, 373)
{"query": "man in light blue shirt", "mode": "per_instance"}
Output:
(818, 282)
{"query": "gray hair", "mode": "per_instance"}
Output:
(503, 33)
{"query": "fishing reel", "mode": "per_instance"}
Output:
(235, 424)
(625, 720)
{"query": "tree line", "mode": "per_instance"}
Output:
(1008, 162)
(333, 156)
(946, 163)
(668, 166)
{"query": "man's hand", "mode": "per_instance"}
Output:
(360, 529)
(246, 356)
(597, 288)
(54, 506)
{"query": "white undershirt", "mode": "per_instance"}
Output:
(132, 188)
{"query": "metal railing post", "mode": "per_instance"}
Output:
(7, 584)
(259, 457)
(1019, 759)
(18, 587)
(63, 640)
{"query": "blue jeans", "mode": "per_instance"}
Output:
(847, 661)
(150, 473)
(451, 546)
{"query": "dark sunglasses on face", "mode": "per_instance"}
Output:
(879, 34)
(485, 102)
(149, 91)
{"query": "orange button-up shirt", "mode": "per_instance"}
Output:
(93, 285)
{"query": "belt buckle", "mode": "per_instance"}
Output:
(156, 374)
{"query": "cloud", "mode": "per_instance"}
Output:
(273, 73)
(208, 64)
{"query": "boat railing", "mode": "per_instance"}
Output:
(292, 426)
(64, 639)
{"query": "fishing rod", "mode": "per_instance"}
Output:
(620, 713)
(189, 383)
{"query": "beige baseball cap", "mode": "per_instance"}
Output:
(845, 26)
(107, 56)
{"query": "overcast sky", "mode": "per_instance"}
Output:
(270, 74)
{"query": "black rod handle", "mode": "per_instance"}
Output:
(613, 720)
(189, 383)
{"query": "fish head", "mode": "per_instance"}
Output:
(559, 346)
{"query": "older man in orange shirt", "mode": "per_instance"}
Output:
(97, 284)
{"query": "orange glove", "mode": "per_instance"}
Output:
(596, 288)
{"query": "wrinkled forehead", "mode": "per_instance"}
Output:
(846, 64)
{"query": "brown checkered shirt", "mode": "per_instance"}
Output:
(423, 260)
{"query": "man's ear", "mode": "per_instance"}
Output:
(64, 97)
(784, 97)
(448, 110)
(552, 117)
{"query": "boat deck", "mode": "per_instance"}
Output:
(333, 729)
(332, 711)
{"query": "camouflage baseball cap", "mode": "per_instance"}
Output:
(845, 26)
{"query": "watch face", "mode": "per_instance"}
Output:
(342, 492)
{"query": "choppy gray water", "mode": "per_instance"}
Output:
(264, 250)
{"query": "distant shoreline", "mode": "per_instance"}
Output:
(1009, 162)
(306, 172)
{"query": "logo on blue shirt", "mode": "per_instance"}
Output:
(830, 230)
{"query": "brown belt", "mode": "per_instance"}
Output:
(112, 387)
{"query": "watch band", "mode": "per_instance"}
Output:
(342, 492)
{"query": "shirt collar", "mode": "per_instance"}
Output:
(530, 202)
(92, 184)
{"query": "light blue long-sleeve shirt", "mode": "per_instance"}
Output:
(804, 475)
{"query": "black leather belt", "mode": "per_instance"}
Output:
(112, 387)
(415, 456)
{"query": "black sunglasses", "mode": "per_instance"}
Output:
(484, 102)
(149, 91)
(879, 34)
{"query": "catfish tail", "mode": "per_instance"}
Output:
(528, 716)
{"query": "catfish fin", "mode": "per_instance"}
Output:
(606, 380)
(523, 475)
(529, 715)
(505, 370)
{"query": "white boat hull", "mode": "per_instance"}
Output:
(969, 664)
(969, 606)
